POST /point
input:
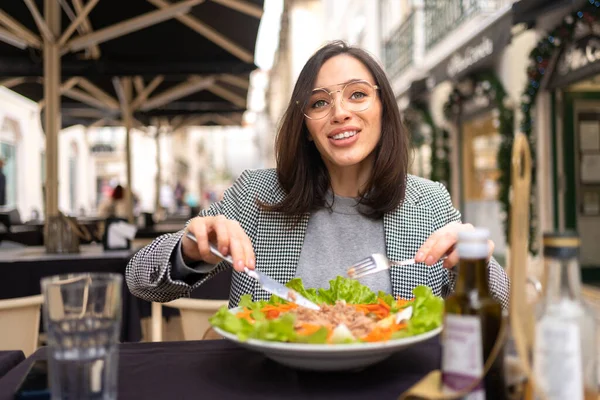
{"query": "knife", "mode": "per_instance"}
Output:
(266, 282)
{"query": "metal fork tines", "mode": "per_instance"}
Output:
(376, 263)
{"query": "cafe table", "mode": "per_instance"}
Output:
(9, 359)
(22, 268)
(219, 369)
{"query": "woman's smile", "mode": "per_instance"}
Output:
(344, 137)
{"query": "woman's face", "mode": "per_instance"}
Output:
(345, 138)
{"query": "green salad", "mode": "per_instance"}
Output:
(350, 313)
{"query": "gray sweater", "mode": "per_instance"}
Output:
(329, 248)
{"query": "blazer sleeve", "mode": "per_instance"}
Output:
(149, 272)
(497, 278)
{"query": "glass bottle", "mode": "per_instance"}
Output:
(472, 322)
(564, 356)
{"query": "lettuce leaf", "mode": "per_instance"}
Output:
(279, 329)
(246, 301)
(427, 314)
(340, 288)
(311, 294)
(350, 290)
(319, 337)
(230, 323)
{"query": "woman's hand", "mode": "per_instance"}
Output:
(443, 242)
(227, 235)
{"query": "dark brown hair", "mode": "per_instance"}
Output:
(118, 192)
(300, 168)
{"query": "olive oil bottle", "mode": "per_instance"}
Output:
(564, 357)
(472, 323)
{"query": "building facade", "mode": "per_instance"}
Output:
(561, 115)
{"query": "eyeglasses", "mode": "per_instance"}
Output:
(356, 96)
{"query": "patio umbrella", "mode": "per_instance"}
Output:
(137, 43)
(172, 104)
(96, 100)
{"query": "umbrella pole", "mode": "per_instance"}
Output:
(158, 169)
(124, 93)
(52, 99)
(129, 182)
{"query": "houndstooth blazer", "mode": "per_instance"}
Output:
(277, 243)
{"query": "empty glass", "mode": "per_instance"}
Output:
(82, 318)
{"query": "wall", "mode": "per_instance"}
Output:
(307, 33)
(354, 21)
(74, 141)
(22, 118)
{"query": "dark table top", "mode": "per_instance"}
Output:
(158, 230)
(9, 359)
(218, 369)
(22, 269)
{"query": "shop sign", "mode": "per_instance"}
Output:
(579, 60)
(461, 61)
(478, 53)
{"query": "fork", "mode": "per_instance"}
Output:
(267, 283)
(376, 263)
(213, 249)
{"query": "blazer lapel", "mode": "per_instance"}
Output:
(278, 245)
(279, 241)
(406, 229)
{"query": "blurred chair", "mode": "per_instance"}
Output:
(194, 316)
(20, 322)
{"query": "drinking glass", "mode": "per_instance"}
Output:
(82, 318)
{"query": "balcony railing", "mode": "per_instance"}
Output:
(398, 50)
(443, 16)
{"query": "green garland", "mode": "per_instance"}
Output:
(440, 141)
(488, 85)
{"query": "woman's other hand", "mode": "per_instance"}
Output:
(226, 234)
(443, 242)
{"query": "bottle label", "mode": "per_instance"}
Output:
(462, 355)
(557, 359)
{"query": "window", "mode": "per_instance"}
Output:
(8, 153)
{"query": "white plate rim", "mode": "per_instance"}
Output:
(326, 347)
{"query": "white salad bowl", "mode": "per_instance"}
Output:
(327, 357)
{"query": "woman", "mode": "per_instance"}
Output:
(115, 205)
(340, 192)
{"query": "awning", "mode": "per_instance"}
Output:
(215, 36)
(528, 11)
(477, 54)
(577, 61)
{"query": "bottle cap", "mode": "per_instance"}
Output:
(474, 235)
(561, 239)
(561, 244)
(473, 243)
